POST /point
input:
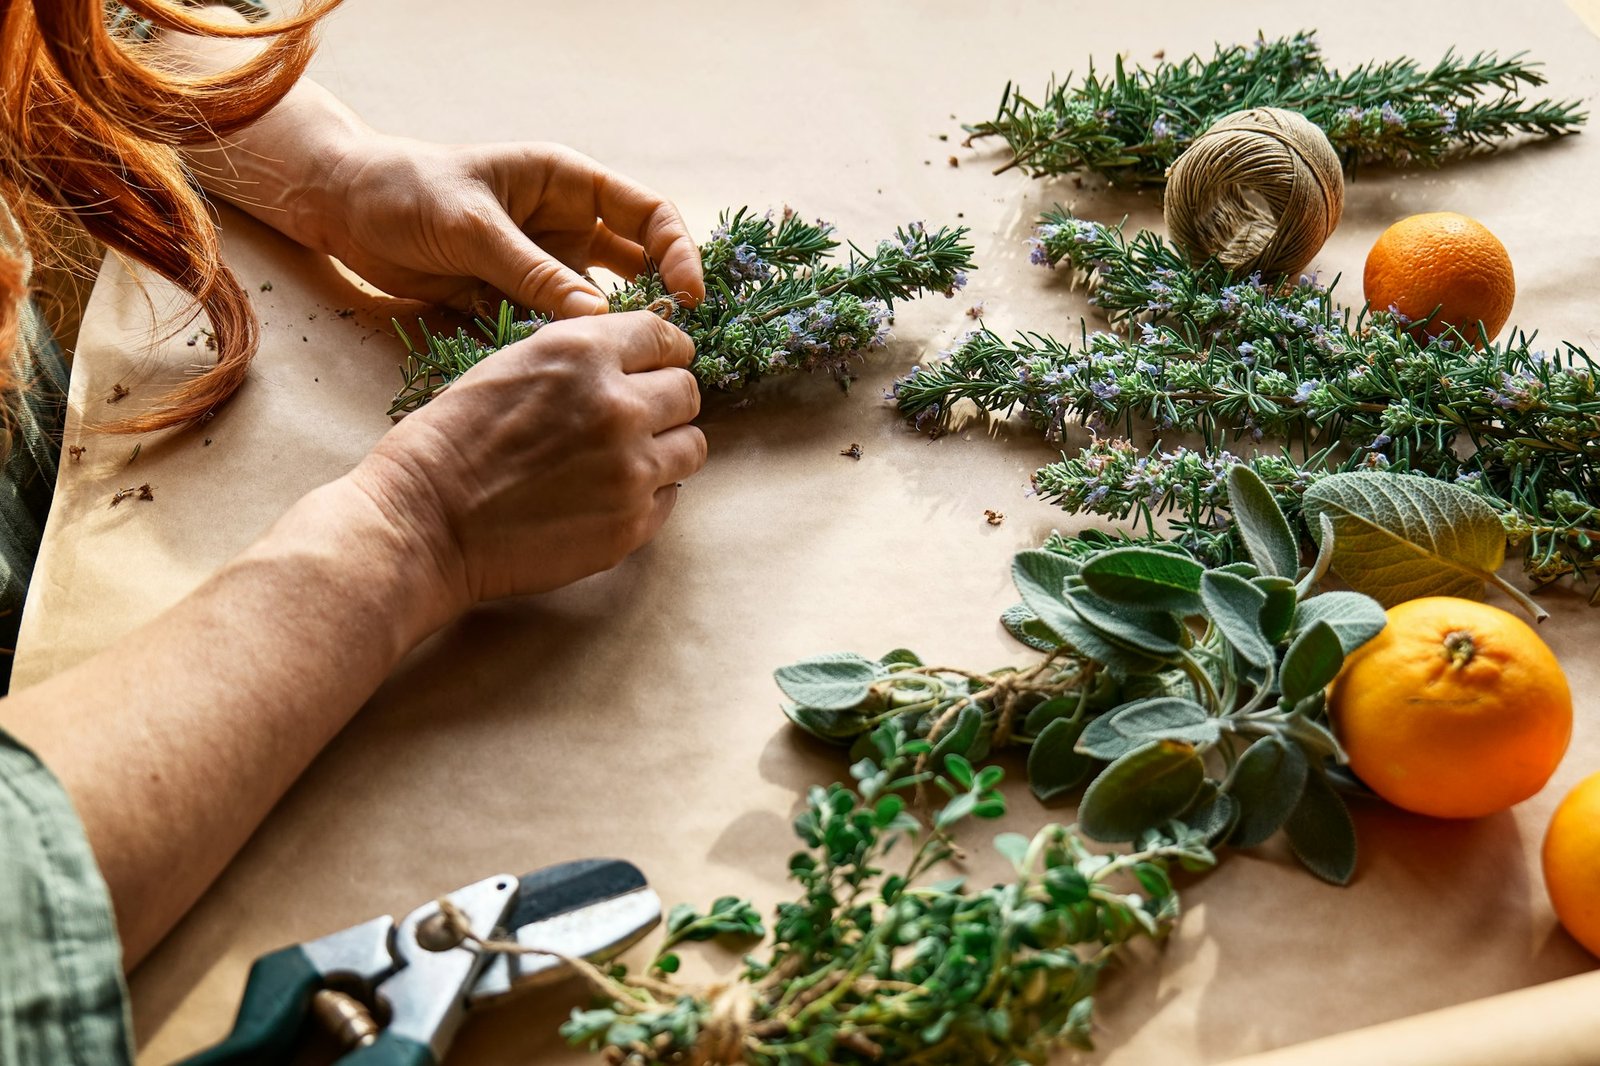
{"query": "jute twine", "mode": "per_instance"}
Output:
(721, 1040)
(1260, 190)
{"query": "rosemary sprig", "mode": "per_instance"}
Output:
(868, 966)
(1243, 360)
(1131, 125)
(776, 302)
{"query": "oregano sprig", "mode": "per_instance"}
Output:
(865, 965)
(1130, 125)
(776, 301)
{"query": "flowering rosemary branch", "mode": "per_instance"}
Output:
(1129, 127)
(775, 302)
(1227, 359)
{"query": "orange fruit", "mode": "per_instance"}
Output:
(1456, 710)
(1572, 862)
(1446, 263)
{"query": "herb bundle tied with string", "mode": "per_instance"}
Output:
(777, 301)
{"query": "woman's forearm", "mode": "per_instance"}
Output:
(281, 168)
(175, 742)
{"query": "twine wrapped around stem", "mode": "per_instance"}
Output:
(1260, 190)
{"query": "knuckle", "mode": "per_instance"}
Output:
(691, 392)
(702, 447)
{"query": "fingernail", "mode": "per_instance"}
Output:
(582, 303)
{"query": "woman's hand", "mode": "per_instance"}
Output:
(455, 224)
(446, 224)
(552, 460)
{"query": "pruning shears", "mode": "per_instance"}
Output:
(395, 994)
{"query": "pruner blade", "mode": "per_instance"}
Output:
(591, 909)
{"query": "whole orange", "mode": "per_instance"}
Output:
(1572, 862)
(1446, 263)
(1456, 710)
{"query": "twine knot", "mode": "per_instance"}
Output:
(723, 1032)
(1261, 190)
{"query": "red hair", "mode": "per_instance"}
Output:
(89, 135)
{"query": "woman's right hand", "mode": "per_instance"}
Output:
(551, 460)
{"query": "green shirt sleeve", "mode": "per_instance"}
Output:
(62, 997)
(121, 20)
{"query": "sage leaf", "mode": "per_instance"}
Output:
(1212, 814)
(1142, 790)
(1025, 626)
(1045, 622)
(1267, 537)
(1136, 724)
(1145, 578)
(834, 682)
(1155, 632)
(1234, 606)
(1353, 617)
(1266, 782)
(1401, 536)
(1277, 614)
(1311, 663)
(1051, 709)
(1041, 578)
(1326, 539)
(836, 727)
(1054, 764)
(1322, 833)
(959, 737)
(901, 657)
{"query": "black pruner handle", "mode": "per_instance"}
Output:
(277, 999)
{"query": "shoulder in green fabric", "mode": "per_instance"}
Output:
(62, 997)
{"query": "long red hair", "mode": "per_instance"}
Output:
(90, 134)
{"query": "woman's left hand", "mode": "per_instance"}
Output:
(456, 224)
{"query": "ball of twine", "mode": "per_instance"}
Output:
(1260, 190)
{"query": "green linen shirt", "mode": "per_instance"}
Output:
(62, 998)
(63, 1001)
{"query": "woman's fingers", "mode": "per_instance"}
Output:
(530, 276)
(619, 255)
(632, 211)
(680, 453)
(671, 397)
(644, 341)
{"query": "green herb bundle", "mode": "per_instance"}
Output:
(1199, 352)
(1131, 125)
(1176, 691)
(776, 302)
(867, 966)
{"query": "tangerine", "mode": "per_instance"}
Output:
(1444, 265)
(1572, 862)
(1456, 710)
